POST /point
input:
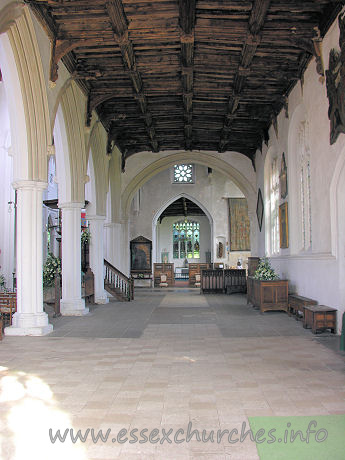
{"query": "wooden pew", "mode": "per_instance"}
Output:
(8, 306)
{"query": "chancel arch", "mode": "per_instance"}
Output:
(188, 157)
(156, 252)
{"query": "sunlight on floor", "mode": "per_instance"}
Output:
(28, 412)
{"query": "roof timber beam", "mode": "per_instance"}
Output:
(253, 39)
(187, 24)
(119, 25)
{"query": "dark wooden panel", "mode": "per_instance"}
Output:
(163, 269)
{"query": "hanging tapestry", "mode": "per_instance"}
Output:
(239, 225)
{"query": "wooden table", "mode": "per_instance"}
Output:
(319, 318)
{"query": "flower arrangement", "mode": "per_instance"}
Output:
(265, 272)
(85, 236)
(51, 267)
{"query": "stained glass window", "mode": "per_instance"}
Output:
(183, 174)
(186, 240)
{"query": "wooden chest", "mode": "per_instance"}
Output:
(319, 318)
(267, 295)
(297, 304)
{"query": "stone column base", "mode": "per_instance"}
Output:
(73, 307)
(29, 324)
(102, 299)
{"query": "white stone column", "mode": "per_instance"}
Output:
(113, 244)
(125, 251)
(72, 303)
(30, 318)
(96, 227)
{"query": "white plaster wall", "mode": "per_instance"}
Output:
(313, 273)
(137, 163)
(210, 191)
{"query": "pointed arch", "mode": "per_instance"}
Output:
(191, 157)
(98, 145)
(163, 207)
(73, 113)
(23, 76)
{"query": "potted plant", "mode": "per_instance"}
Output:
(266, 290)
(51, 268)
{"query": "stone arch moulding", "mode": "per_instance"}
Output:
(339, 173)
(23, 76)
(163, 207)
(9, 14)
(100, 160)
(73, 118)
(90, 187)
(191, 157)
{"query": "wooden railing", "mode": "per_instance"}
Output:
(118, 282)
(221, 281)
(212, 281)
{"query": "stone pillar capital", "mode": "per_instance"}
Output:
(71, 205)
(29, 185)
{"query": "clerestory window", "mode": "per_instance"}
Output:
(183, 174)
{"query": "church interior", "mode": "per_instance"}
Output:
(172, 221)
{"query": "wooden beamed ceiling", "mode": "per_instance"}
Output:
(186, 74)
(182, 207)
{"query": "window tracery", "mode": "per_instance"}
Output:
(186, 240)
(183, 174)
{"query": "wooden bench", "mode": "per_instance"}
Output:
(319, 318)
(8, 306)
(297, 304)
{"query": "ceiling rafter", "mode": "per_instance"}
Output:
(119, 23)
(187, 25)
(253, 39)
(206, 75)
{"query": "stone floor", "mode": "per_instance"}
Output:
(168, 359)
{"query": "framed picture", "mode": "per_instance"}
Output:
(141, 255)
(260, 209)
(284, 225)
(283, 178)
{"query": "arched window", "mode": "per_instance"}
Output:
(186, 240)
(274, 206)
(305, 185)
